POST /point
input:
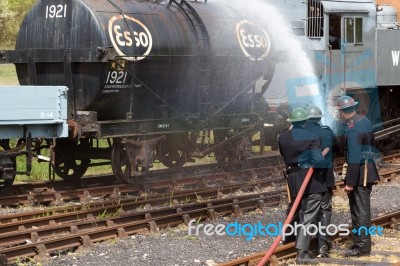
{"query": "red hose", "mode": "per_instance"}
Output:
(296, 203)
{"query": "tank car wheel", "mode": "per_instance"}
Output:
(120, 164)
(66, 166)
(173, 151)
(7, 178)
(235, 150)
(172, 161)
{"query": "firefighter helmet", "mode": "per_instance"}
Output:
(298, 115)
(314, 111)
(345, 102)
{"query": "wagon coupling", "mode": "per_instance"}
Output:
(102, 52)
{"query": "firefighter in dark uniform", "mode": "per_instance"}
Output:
(361, 172)
(327, 139)
(300, 150)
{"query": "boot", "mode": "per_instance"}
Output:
(304, 258)
(355, 252)
(323, 251)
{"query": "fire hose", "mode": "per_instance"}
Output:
(296, 203)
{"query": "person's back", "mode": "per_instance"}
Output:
(299, 146)
(300, 150)
(327, 138)
(360, 148)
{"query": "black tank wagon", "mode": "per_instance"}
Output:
(150, 76)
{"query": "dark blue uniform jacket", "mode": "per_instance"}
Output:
(360, 149)
(300, 149)
(326, 138)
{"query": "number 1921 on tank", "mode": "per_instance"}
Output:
(56, 11)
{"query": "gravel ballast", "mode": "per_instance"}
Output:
(174, 246)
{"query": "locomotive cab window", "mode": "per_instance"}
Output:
(334, 31)
(353, 30)
(315, 19)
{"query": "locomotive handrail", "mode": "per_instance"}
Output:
(386, 132)
(386, 123)
(171, 1)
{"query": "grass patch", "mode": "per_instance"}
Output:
(40, 170)
(8, 75)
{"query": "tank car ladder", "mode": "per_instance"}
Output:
(203, 42)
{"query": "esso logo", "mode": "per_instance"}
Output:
(130, 37)
(253, 40)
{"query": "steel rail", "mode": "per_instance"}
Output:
(164, 180)
(82, 234)
(116, 215)
(55, 192)
(58, 215)
(173, 196)
(289, 251)
(388, 158)
(53, 197)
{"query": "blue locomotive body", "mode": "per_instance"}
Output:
(353, 47)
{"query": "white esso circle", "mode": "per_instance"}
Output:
(253, 40)
(129, 39)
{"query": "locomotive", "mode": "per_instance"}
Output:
(354, 48)
(158, 79)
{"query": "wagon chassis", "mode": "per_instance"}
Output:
(135, 137)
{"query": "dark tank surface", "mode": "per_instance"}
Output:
(172, 60)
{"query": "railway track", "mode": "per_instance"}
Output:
(66, 214)
(162, 181)
(289, 251)
(18, 242)
(200, 196)
(392, 159)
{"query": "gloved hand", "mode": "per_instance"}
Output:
(344, 171)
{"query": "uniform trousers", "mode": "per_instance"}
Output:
(310, 208)
(324, 217)
(295, 220)
(360, 208)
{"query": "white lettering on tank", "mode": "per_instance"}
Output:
(124, 36)
(253, 40)
(56, 11)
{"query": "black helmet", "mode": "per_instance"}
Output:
(345, 102)
(314, 112)
(298, 115)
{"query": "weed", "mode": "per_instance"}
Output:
(191, 238)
